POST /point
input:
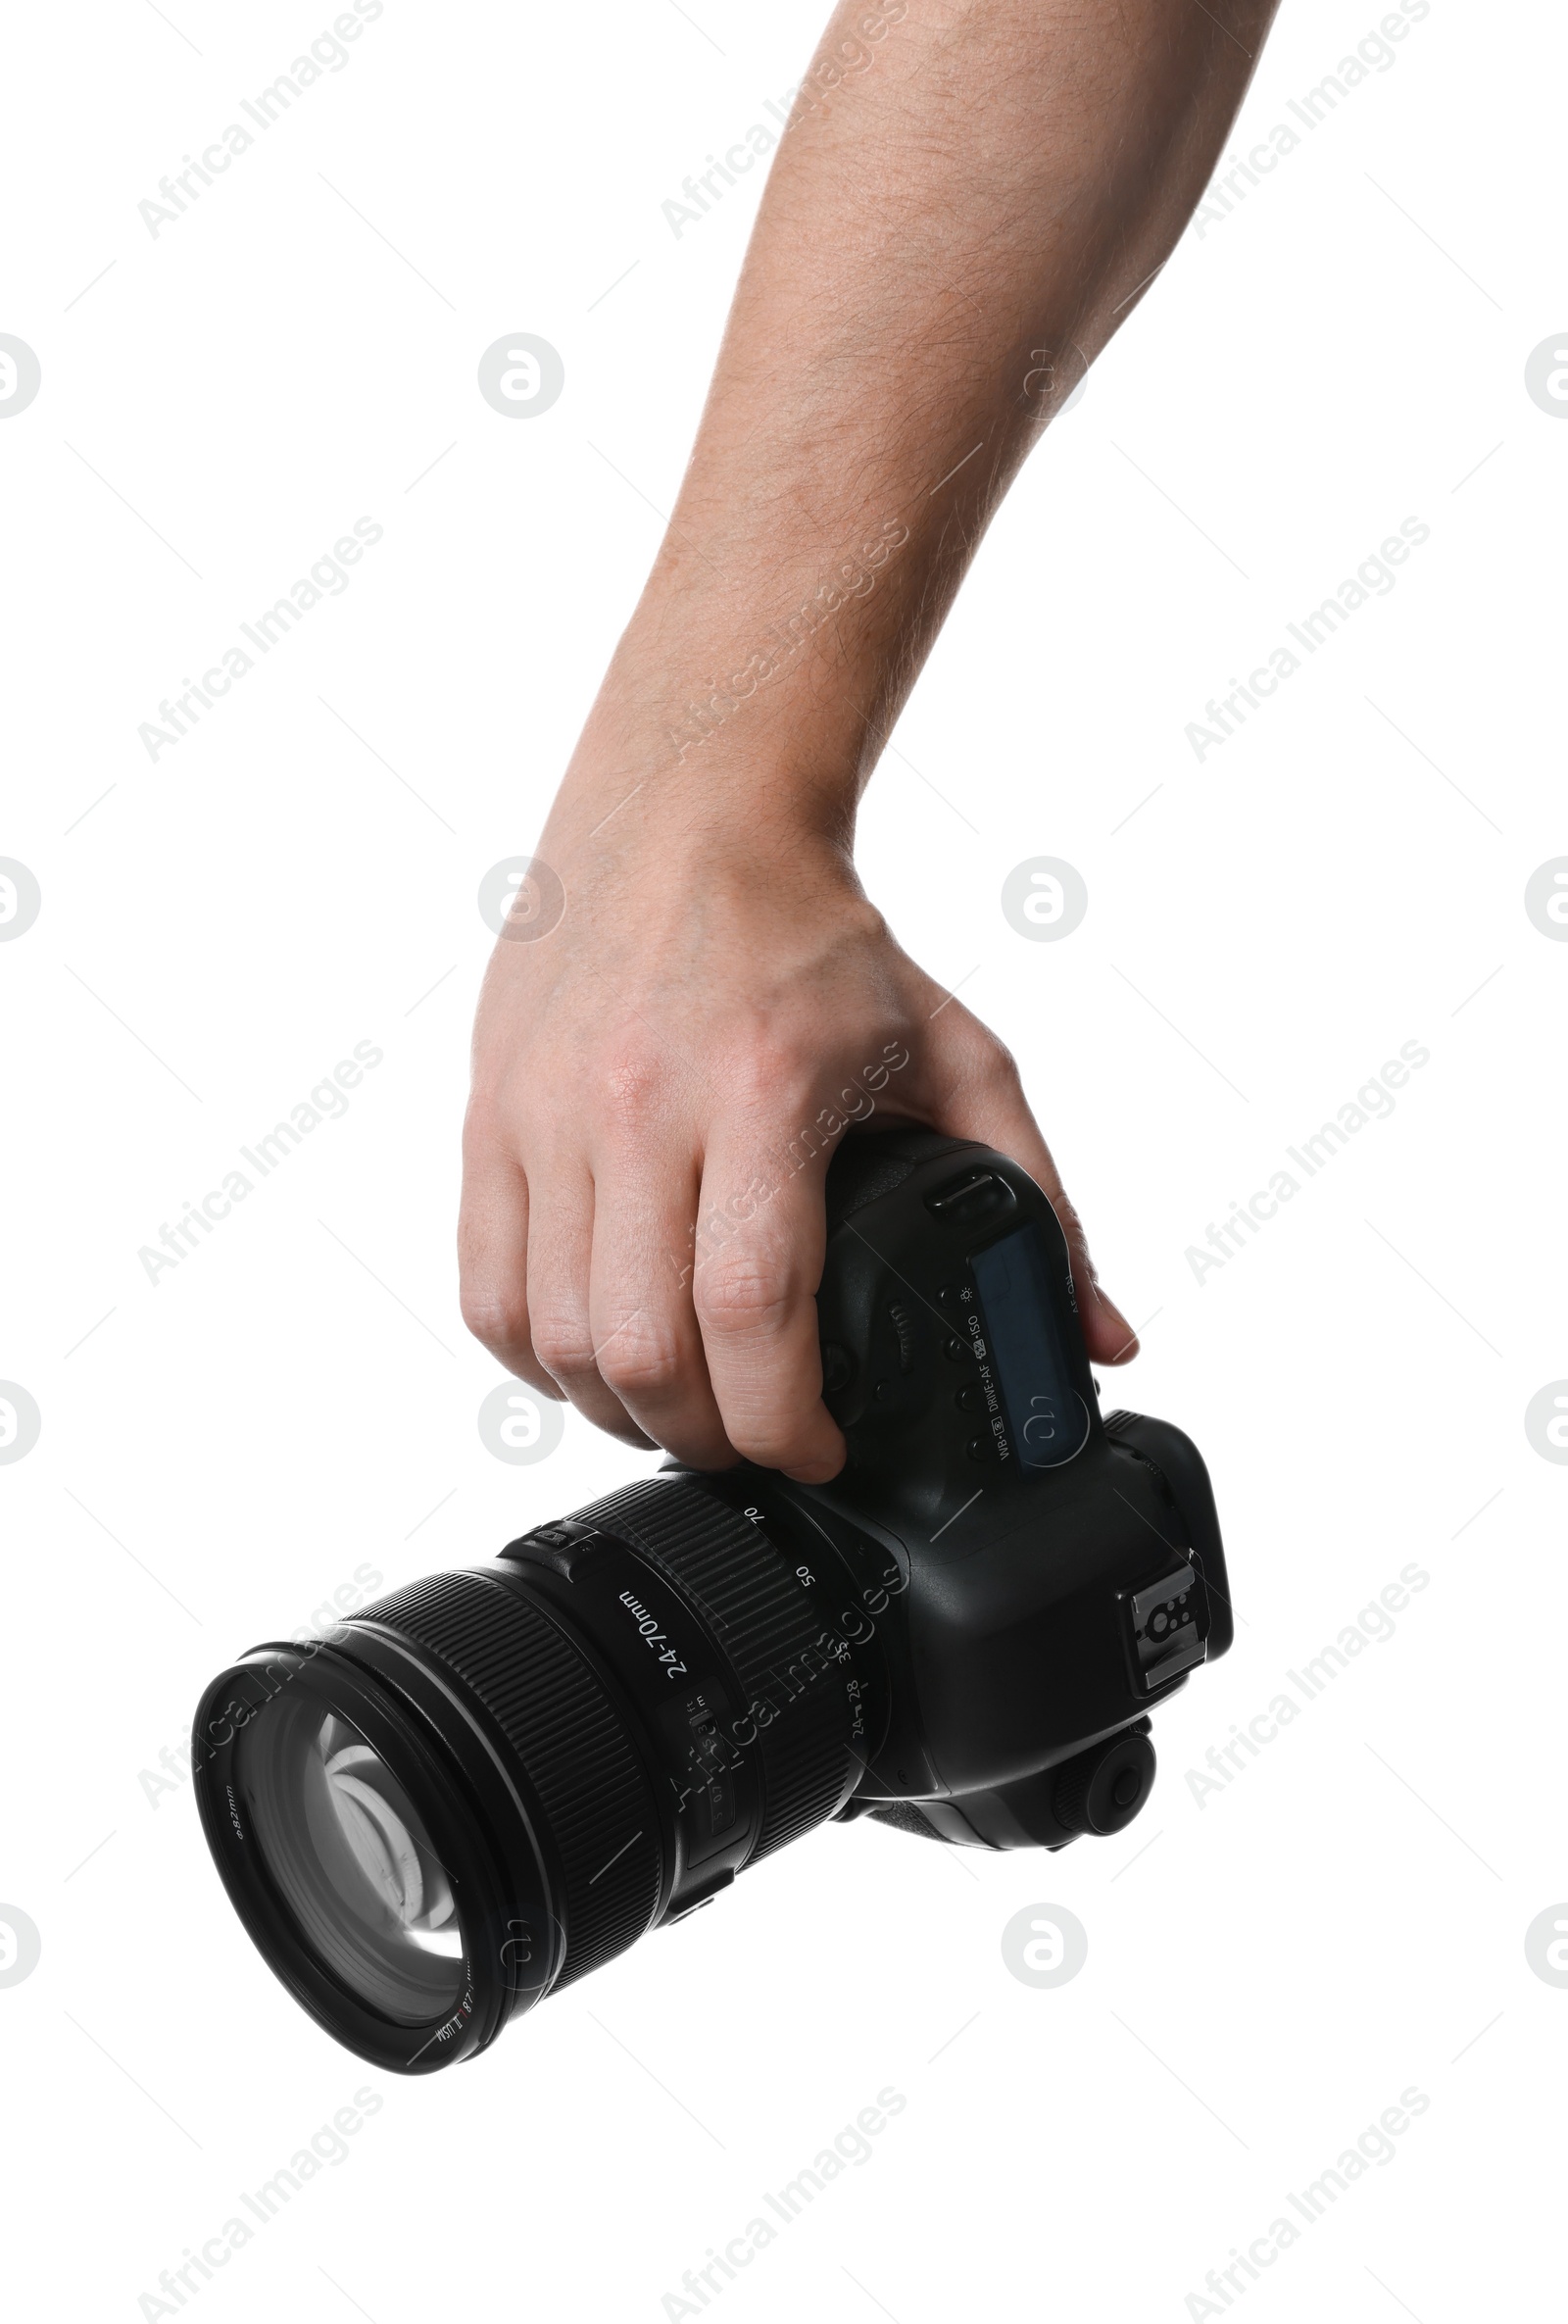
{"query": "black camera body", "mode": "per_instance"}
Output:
(489, 1783)
(1063, 1573)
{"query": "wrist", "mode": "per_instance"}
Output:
(726, 830)
(764, 700)
(714, 771)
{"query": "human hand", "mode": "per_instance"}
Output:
(658, 1084)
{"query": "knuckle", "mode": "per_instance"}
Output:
(1072, 1226)
(641, 1359)
(632, 1082)
(484, 1124)
(980, 1064)
(491, 1125)
(740, 1293)
(495, 1314)
(754, 1085)
(560, 1342)
(767, 1075)
(996, 1066)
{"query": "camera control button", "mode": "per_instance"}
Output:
(974, 1194)
(971, 1399)
(955, 1350)
(981, 1447)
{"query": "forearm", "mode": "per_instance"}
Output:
(948, 238)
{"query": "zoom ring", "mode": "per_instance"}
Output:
(597, 1808)
(746, 1593)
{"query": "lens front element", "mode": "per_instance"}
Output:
(353, 1860)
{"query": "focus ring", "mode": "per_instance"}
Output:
(597, 1808)
(742, 1587)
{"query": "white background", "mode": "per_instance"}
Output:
(1267, 1970)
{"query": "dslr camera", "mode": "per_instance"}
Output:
(483, 1786)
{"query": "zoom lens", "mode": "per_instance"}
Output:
(485, 1785)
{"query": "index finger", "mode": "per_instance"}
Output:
(760, 1251)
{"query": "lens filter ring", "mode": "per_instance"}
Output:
(593, 1813)
(318, 1793)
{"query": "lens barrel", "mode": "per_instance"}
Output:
(748, 1597)
(487, 1784)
